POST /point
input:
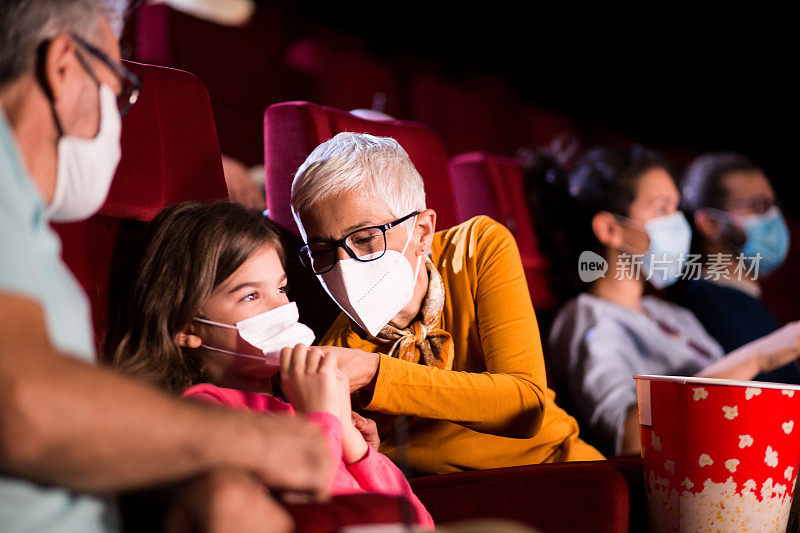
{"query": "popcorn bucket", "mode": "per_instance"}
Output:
(718, 455)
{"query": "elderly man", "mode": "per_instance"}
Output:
(436, 326)
(71, 432)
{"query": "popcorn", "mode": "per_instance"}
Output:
(750, 392)
(705, 460)
(771, 457)
(788, 393)
(788, 473)
(717, 507)
(700, 393)
(787, 426)
(731, 464)
(745, 441)
(730, 412)
(669, 466)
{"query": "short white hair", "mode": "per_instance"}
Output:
(376, 167)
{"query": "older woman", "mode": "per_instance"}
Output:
(436, 326)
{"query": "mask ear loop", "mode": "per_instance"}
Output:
(41, 77)
(621, 220)
(726, 218)
(419, 257)
(212, 323)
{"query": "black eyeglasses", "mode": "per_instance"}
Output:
(365, 244)
(131, 84)
(757, 204)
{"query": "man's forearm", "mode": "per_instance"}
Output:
(88, 428)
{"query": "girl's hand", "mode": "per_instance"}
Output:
(312, 383)
(368, 430)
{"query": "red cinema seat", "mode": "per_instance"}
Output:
(243, 67)
(293, 129)
(465, 118)
(538, 126)
(345, 77)
(605, 496)
(493, 185)
(170, 154)
(782, 287)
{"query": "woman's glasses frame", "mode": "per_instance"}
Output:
(305, 254)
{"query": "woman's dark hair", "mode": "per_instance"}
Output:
(702, 186)
(564, 203)
(191, 248)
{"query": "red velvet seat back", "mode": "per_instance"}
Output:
(493, 185)
(243, 67)
(345, 76)
(293, 129)
(170, 154)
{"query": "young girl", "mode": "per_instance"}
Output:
(209, 318)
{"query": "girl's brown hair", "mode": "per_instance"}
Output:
(191, 249)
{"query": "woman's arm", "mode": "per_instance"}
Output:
(771, 351)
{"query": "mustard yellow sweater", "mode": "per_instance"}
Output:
(493, 409)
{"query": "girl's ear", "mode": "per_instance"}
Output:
(188, 338)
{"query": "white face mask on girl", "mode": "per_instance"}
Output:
(373, 292)
(86, 166)
(270, 332)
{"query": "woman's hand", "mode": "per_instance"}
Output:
(311, 381)
(771, 351)
(368, 430)
(360, 367)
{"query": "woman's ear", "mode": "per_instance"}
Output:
(607, 230)
(426, 224)
(188, 338)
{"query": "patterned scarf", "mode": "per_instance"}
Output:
(422, 337)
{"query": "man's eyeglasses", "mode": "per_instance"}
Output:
(130, 83)
(755, 204)
(365, 244)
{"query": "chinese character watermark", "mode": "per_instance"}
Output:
(716, 267)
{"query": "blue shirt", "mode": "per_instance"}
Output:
(31, 266)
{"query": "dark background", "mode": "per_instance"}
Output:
(707, 75)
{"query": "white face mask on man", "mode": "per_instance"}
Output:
(373, 292)
(86, 166)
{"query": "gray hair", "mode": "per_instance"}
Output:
(25, 24)
(376, 167)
